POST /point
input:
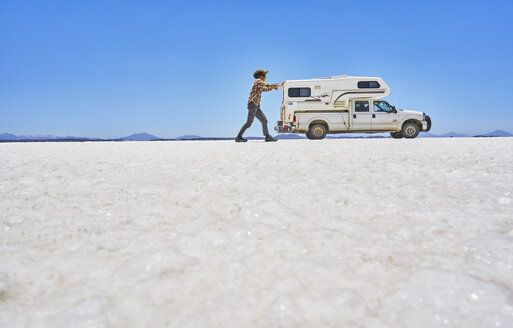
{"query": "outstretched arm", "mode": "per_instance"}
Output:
(268, 86)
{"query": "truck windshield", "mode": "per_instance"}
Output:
(383, 106)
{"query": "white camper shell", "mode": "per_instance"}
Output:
(345, 104)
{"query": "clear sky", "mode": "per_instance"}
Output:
(112, 68)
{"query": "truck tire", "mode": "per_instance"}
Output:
(317, 131)
(396, 135)
(428, 120)
(410, 130)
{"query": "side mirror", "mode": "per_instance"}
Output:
(394, 110)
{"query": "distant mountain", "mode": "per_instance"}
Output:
(453, 135)
(189, 137)
(27, 138)
(289, 136)
(46, 137)
(139, 137)
(42, 137)
(428, 135)
(8, 137)
(496, 133)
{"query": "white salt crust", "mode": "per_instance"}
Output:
(298, 233)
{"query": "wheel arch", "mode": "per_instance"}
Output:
(412, 120)
(319, 121)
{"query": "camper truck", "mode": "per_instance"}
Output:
(345, 104)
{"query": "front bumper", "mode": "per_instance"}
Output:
(428, 122)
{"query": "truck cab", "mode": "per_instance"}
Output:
(343, 104)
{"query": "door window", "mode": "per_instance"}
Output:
(383, 106)
(361, 106)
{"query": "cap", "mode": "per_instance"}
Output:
(259, 72)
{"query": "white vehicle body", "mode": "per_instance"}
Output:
(345, 104)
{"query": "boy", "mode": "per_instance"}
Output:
(258, 87)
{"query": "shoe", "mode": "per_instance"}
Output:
(268, 138)
(240, 139)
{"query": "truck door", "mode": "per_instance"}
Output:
(383, 117)
(361, 116)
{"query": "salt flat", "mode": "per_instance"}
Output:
(298, 233)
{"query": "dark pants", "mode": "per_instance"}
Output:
(254, 110)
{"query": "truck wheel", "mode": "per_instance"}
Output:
(317, 131)
(396, 135)
(428, 120)
(410, 130)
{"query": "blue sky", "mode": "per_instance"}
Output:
(113, 68)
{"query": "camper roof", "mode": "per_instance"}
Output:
(340, 77)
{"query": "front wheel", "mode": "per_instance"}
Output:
(410, 130)
(428, 120)
(396, 135)
(317, 131)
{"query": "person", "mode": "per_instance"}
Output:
(254, 110)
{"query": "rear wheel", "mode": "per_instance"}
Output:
(410, 130)
(317, 131)
(396, 135)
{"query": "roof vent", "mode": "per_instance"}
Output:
(338, 76)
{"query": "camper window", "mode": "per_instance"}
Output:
(361, 106)
(300, 92)
(368, 84)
